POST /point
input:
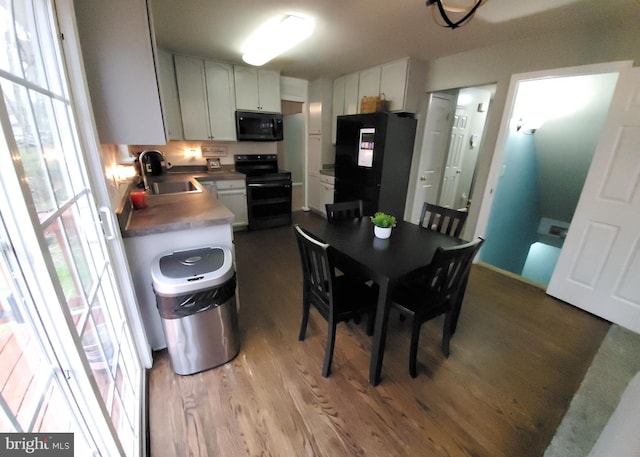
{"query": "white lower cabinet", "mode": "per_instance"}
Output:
(232, 193)
(321, 189)
(327, 186)
(141, 252)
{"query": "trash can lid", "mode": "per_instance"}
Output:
(181, 272)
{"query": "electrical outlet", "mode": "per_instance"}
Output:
(213, 164)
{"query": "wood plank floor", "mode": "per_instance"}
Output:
(516, 360)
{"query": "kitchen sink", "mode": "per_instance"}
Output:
(173, 187)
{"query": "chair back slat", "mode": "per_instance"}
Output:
(344, 211)
(444, 220)
(446, 272)
(317, 268)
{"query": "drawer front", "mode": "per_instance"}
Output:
(230, 184)
(327, 179)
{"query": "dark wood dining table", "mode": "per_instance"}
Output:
(385, 261)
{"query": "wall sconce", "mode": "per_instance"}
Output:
(529, 127)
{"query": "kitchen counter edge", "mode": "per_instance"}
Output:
(174, 212)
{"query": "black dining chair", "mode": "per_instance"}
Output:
(433, 290)
(444, 220)
(337, 298)
(341, 212)
(344, 211)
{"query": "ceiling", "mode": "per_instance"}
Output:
(351, 35)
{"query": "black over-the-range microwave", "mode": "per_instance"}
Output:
(251, 126)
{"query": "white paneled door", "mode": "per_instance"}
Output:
(453, 166)
(599, 267)
(433, 152)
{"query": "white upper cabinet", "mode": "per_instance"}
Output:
(337, 105)
(369, 83)
(269, 90)
(246, 82)
(338, 96)
(170, 102)
(345, 99)
(294, 89)
(351, 100)
(206, 93)
(402, 83)
(193, 97)
(320, 106)
(257, 90)
(393, 77)
(118, 51)
(221, 98)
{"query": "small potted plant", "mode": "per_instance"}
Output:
(383, 223)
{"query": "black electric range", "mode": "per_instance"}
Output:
(268, 190)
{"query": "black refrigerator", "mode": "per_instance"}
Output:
(373, 160)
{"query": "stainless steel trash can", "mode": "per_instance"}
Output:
(195, 294)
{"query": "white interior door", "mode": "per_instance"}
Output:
(434, 149)
(599, 267)
(453, 166)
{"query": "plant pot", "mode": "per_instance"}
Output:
(382, 232)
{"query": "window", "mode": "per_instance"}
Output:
(67, 357)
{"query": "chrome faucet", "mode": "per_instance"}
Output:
(143, 167)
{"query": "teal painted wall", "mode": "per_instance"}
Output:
(515, 212)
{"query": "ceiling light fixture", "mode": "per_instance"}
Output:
(454, 13)
(275, 37)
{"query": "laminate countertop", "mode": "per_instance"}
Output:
(177, 211)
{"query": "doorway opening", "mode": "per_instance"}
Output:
(553, 130)
(291, 149)
(447, 153)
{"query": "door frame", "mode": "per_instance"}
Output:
(497, 158)
(418, 151)
(87, 135)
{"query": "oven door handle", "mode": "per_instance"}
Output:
(268, 184)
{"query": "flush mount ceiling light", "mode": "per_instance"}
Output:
(454, 13)
(275, 37)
